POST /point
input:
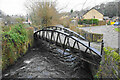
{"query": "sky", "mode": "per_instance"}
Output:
(17, 7)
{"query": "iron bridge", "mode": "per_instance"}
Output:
(68, 40)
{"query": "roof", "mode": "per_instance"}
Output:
(90, 10)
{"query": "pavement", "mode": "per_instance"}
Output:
(110, 36)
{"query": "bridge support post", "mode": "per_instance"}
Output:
(102, 45)
(89, 44)
(74, 44)
(39, 35)
(51, 36)
(57, 37)
(64, 45)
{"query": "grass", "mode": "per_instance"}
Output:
(117, 29)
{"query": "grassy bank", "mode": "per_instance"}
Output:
(15, 42)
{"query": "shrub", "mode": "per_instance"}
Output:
(108, 23)
(65, 22)
(80, 22)
(110, 64)
(14, 44)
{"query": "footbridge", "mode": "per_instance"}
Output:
(70, 41)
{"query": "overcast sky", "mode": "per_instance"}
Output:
(17, 7)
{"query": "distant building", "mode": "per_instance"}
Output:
(93, 14)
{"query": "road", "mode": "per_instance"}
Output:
(110, 36)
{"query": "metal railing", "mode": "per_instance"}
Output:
(51, 31)
(72, 33)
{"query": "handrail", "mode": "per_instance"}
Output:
(74, 33)
(66, 30)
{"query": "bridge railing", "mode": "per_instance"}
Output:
(72, 33)
(61, 28)
(53, 35)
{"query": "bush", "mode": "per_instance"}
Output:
(108, 23)
(80, 22)
(14, 44)
(110, 65)
(65, 22)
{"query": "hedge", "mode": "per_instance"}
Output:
(88, 21)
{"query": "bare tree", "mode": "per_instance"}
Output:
(43, 12)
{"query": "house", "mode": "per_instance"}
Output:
(93, 14)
